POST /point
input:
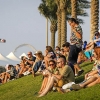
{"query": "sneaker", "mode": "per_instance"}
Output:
(76, 75)
(80, 72)
(76, 87)
(68, 85)
(26, 73)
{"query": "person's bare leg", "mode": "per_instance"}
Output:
(7, 76)
(50, 83)
(97, 81)
(21, 71)
(33, 73)
(44, 83)
(92, 79)
(77, 67)
(75, 71)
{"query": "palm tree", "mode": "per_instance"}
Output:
(65, 11)
(58, 21)
(59, 14)
(53, 29)
(94, 17)
(74, 9)
(48, 9)
(63, 8)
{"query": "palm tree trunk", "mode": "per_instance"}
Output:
(63, 22)
(59, 27)
(53, 29)
(94, 17)
(58, 23)
(74, 9)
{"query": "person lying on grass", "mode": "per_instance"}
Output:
(65, 75)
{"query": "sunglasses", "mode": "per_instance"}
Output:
(51, 64)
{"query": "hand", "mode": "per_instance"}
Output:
(74, 30)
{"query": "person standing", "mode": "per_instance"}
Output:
(75, 45)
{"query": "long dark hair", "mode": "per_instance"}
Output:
(73, 20)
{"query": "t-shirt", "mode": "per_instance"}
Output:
(74, 38)
(53, 70)
(67, 73)
(31, 59)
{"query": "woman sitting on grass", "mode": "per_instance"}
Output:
(51, 69)
(38, 62)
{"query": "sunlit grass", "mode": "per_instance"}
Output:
(25, 87)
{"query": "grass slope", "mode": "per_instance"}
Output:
(25, 87)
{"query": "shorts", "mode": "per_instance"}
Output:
(73, 54)
(60, 83)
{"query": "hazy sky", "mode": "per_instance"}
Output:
(21, 23)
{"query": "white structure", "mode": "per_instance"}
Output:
(12, 57)
(23, 54)
(3, 58)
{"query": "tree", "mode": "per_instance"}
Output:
(48, 9)
(74, 9)
(94, 17)
(58, 21)
(59, 11)
(63, 8)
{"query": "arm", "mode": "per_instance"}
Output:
(97, 40)
(29, 61)
(79, 35)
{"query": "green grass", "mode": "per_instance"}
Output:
(25, 87)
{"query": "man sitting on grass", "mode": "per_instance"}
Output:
(66, 75)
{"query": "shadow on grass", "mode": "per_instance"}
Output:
(87, 64)
(79, 79)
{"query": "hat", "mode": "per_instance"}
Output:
(38, 52)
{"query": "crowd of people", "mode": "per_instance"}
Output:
(60, 66)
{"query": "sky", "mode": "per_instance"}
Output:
(21, 23)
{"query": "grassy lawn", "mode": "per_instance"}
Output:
(25, 87)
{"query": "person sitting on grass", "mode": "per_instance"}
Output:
(26, 64)
(9, 74)
(65, 75)
(92, 78)
(49, 54)
(73, 62)
(38, 62)
(52, 69)
(90, 46)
